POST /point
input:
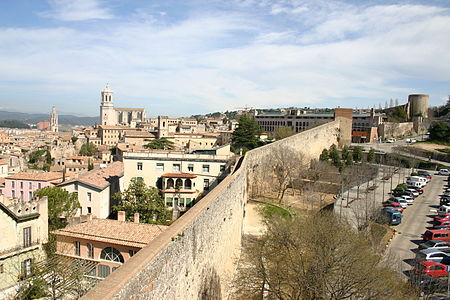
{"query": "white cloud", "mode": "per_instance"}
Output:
(77, 10)
(219, 62)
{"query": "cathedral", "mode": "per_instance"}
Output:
(116, 116)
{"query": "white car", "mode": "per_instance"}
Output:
(402, 201)
(391, 140)
(408, 199)
(444, 209)
(444, 172)
(414, 192)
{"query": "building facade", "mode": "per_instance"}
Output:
(54, 120)
(24, 231)
(107, 243)
(23, 185)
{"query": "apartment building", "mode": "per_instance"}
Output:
(107, 243)
(24, 231)
(23, 185)
(182, 177)
(96, 188)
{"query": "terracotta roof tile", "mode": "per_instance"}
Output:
(100, 177)
(114, 232)
(43, 176)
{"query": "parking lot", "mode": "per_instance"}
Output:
(416, 219)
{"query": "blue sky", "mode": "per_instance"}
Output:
(183, 57)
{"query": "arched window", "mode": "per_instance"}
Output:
(187, 184)
(179, 183)
(169, 183)
(111, 254)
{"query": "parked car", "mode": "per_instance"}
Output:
(417, 188)
(444, 209)
(413, 192)
(445, 201)
(395, 205)
(392, 215)
(391, 140)
(431, 268)
(441, 217)
(436, 234)
(433, 255)
(443, 222)
(407, 198)
(445, 172)
(434, 244)
(424, 173)
(429, 284)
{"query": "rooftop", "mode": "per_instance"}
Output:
(128, 108)
(99, 177)
(43, 176)
(114, 232)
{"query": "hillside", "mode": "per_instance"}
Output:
(35, 118)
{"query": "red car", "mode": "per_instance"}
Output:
(442, 217)
(430, 268)
(443, 222)
(394, 205)
(437, 234)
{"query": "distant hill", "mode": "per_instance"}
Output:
(35, 118)
(13, 124)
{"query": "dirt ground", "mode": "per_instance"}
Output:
(253, 221)
(430, 147)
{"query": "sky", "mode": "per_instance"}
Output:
(185, 57)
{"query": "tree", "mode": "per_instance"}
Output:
(61, 205)
(74, 139)
(371, 155)
(324, 156)
(282, 132)
(440, 131)
(88, 149)
(161, 143)
(349, 159)
(334, 155)
(246, 135)
(139, 198)
(90, 165)
(357, 153)
(317, 256)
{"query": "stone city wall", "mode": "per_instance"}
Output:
(393, 130)
(196, 256)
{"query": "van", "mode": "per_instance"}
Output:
(436, 234)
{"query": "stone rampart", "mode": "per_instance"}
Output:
(195, 257)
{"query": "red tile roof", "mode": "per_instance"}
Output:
(99, 177)
(179, 175)
(43, 176)
(114, 232)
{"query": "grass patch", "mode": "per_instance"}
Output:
(433, 142)
(270, 211)
(447, 151)
(380, 234)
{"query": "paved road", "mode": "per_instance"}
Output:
(416, 219)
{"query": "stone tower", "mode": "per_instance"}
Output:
(107, 114)
(53, 120)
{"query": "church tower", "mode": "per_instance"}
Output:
(107, 114)
(53, 120)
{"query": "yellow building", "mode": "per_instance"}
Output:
(24, 229)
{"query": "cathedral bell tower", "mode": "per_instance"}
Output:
(107, 115)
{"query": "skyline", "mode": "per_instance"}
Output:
(182, 58)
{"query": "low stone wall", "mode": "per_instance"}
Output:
(195, 257)
(393, 130)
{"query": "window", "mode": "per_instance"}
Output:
(191, 168)
(111, 254)
(27, 237)
(160, 166)
(30, 195)
(206, 184)
(39, 185)
(132, 252)
(26, 267)
(176, 168)
(13, 184)
(13, 194)
(89, 197)
(21, 195)
(89, 210)
(169, 183)
(30, 185)
(21, 185)
(182, 202)
(90, 249)
(139, 166)
(75, 186)
(77, 248)
(1, 269)
(205, 168)
(222, 168)
(188, 184)
(103, 271)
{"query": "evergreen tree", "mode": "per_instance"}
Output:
(324, 155)
(139, 198)
(357, 154)
(371, 155)
(88, 149)
(246, 136)
(161, 143)
(440, 131)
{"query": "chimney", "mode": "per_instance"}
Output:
(121, 216)
(136, 217)
(88, 217)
